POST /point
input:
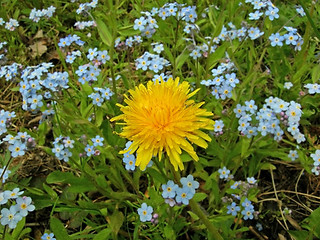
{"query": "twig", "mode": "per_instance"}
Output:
(296, 189)
(288, 191)
(279, 202)
(258, 235)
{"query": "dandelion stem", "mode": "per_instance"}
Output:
(197, 210)
(4, 171)
(212, 229)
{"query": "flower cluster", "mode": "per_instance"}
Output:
(61, 148)
(202, 50)
(254, 33)
(2, 56)
(312, 88)
(300, 11)
(100, 56)
(274, 114)
(223, 82)
(248, 211)
(87, 6)
(88, 73)
(145, 212)
(128, 42)
(148, 25)
(84, 24)
(161, 77)
(152, 62)
(293, 155)
(173, 194)
(48, 236)
(100, 95)
(242, 33)
(5, 174)
(35, 79)
(316, 162)
(157, 47)
(291, 37)
(288, 85)
(71, 56)
(46, 115)
(224, 174)
(5, 119)
(11, 25)
(218, 127)
(90, 149)
(19, 207)
(35, 14)
(20, 143)
(129, 159)
(10, 72)
(188, 14)
(67, 41)
(263, 7)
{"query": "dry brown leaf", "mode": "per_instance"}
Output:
(293, 222)
(38, 48)
(39, 34)
(53, 55)
(281, 237)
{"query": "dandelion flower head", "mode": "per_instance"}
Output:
(159, 118)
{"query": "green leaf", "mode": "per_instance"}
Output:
(156, 175)
(216, 56)
(15, 89)
(116, 221)
(58, 229)
(245, 144)
(299, 235)
(155, 198)
(42, 131)
(36, 191)
(181, 59)
(275, 153)
(25, 231)
(8, 237)
(169, 233)
(99, 117)
(193, 215)
(18, 229)
(168, 50)
(315, 74)
(267, 166)
(102, 182)
(104, 32)
(198, 197)
(77, 184)
(103, 235)
(108, 133)
(50, 191)
(313, 222)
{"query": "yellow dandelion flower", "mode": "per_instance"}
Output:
(161, 118)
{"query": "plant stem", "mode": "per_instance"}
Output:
(212, 229)
(197, 210)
